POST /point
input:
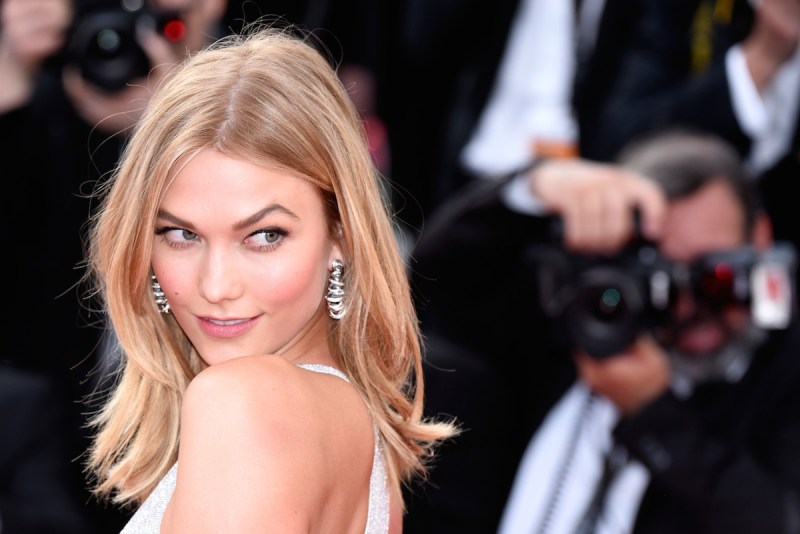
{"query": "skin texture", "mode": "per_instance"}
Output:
(243, 243)
(239, 242)
(595, 202)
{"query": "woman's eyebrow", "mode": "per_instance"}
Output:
(254, 218)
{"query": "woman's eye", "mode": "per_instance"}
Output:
(177, 236)
(271, 236)
(181, 235)
(267, 237)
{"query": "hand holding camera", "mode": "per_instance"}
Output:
(603, 272)
(624, 307)
(114, 55)
(118, 110)
(595, 201)
(633, 378)
(113, 52)
(112, 44)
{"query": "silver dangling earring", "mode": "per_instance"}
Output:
(158, 294)
(335, 295)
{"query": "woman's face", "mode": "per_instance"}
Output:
(242, 254)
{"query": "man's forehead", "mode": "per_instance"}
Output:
(710, 219)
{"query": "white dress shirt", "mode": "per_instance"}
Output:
(531, 98)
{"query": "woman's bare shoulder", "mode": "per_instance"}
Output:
(245, 379)
(259, 403)
(253, 432)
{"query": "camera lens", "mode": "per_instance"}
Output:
(609, 305)
(108, 42)
(103, 45)
(600, 303)
(606, 313)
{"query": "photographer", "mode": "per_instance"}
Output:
(690, 423)
(60, 134)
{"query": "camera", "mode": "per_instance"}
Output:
(103, 41)
(600, 304)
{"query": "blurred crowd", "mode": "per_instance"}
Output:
(594, 199)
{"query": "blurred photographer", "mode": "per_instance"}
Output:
(71, 87)
(664, 398)
(112, 51)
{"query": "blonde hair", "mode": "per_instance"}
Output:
(270, 98)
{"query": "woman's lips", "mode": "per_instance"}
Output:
(226, 327)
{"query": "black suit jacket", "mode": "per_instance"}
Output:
(468, 277)
(658, 85)
(442, 59)
(495, 363)
(442, 65)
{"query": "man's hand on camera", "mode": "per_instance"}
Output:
(630, 379)
(118, 111)
(596, 203)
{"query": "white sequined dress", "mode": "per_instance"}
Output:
(147, 519)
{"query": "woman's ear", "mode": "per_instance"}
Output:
(338, 240)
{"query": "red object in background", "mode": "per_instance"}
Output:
(174, 30)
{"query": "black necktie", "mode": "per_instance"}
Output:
(612, 463)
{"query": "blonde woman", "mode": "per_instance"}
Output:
(271, 372)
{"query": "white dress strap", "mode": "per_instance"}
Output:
(379, 505)
(327, 369)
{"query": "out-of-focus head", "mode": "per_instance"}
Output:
(713, 208)
(713, 204)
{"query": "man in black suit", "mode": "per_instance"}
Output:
(718, 65)
(443, 65)
(689, 422)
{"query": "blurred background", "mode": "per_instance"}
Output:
(451, 92)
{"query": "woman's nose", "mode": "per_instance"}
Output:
(219, 280)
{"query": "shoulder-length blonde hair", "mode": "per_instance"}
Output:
(270, 98)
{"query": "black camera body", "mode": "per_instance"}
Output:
(103, 41)
(600, 304)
